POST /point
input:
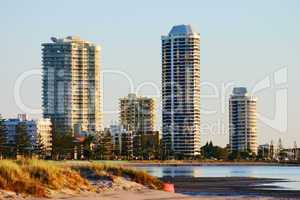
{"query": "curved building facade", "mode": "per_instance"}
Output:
(181, 91)
(242, 121)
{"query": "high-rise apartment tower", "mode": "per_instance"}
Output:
(181, 91)
(242, 121)
(71, 84)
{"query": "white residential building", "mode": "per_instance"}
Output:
(181, 90)
(242, 121)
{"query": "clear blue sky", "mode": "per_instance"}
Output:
(241, 42)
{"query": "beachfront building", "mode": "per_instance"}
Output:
(38, 131)
(106, 145)
(127, 145)
(71, 84)
(264, 151)
(137, 114)
(116, 131)
(242, 121)
(181, 91)
(44, 135)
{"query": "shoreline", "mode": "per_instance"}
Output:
(186, 188)
(231, 186)
(184, 163)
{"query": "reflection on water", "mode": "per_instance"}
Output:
(290, 173)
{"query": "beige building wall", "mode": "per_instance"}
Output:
(71, 84)
(137, 114)
(44, 130)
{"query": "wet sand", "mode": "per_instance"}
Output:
(160, 195)
(147, 194)
(230, 186)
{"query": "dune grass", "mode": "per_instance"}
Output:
(140, 177)
(38, 178)
(13, 178)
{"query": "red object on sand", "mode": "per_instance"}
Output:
(168, 187)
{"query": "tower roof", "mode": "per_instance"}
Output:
(240, 90)
(68, 40)
(182, 29)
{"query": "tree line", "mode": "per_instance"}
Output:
(100, 146)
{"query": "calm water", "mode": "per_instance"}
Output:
(290, 173)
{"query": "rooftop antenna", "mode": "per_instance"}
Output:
(295, 150)
(280, 147)
(54, 39)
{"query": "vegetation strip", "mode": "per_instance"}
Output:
(39, 178)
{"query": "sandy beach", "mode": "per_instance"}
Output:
(160, 195)
(147, 194)
(221, 188)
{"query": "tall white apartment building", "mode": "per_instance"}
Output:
(242, 121)
(71, 84)
(181, 90)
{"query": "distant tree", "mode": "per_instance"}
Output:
(204, 150)
(106, 147)
(164, 152)
(241, 155)
(62, 144)
(98, 150)
(87, 149)
(282, 155)
(260, 154)
(234, 155)
(221, 153)
(179, 156)
(117, 146)
(238, 155)
(127, 146)
(40, 148)
(209, 151)
(245, 155)
(3, 142)
(23, 143)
